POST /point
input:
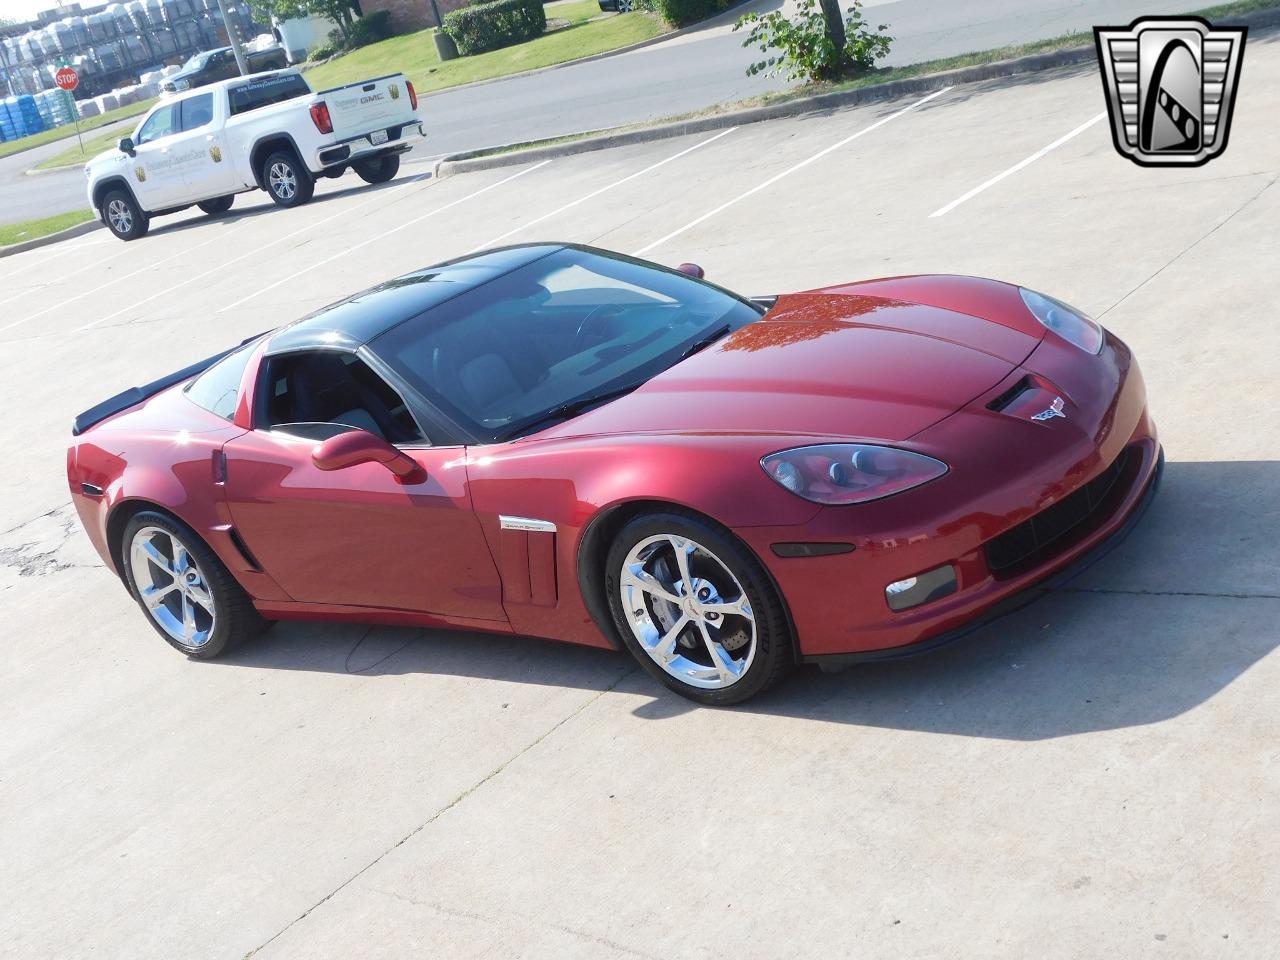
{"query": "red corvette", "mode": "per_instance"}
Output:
(557, 441)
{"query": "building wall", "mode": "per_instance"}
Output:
(410, 15)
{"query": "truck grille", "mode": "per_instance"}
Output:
(1042, 536)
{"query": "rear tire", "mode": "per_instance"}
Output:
(217, 205)
(286, 180)
(378, 170)
(186, 593)
(710, 625)
(122, 215)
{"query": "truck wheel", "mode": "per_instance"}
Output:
(217, 205)
(287, 181)
(377, 170)
(123, 217)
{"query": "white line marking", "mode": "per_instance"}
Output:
(1018, 166)
(121, 279)
(790, 170)
(66, 276)
(252, 253)
(382, 236)
(606, 187)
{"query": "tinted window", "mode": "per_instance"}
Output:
(197, 111)
(568, 326)
(263, 92)
(330, 387)
(162, 123)
(218, 388)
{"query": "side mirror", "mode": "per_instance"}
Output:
(360, 446)
(126, 146)
(693, 270)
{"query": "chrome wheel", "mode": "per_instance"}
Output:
(688, 611)
(283, 181)
(625, 6)
(120, 216)
(172, 586)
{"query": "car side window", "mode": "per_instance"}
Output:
(160, 124)
(218, 388)
(197, 112)
(328, 387)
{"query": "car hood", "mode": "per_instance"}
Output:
(826, 365)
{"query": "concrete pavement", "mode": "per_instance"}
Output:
(1094, 776)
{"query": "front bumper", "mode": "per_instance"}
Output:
(1006, 470)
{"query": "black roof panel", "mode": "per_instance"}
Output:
(355, 321)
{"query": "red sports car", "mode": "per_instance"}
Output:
(557, 441)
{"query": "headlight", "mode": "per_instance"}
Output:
(840, 473)
(1067, 322)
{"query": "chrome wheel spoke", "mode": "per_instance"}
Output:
(725, 666)
(201, 596)
(740, 607)
(683, 548)
(637, 575)
(188, 618)
(154, 596)
(665, 649)
(159, 559)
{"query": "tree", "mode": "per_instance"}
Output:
(816, 43)
(341, 12)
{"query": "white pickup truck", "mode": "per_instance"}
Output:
(268, 131)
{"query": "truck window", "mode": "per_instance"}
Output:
(196, 111)
(159, 124)
(263, 92)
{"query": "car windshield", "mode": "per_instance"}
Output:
(528, 347)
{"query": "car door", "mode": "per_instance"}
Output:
(357, 536)
(157, 180)
(200, 148)
(222, 66)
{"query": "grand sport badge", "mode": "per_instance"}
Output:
(1170, 85)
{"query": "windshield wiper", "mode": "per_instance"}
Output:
(566, 410)
(703, 342)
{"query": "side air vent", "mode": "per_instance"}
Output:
(1010, 395)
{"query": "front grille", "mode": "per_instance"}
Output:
(1039, 538)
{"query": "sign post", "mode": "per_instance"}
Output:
(67, 80)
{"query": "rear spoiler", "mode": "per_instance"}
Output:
(135, 395)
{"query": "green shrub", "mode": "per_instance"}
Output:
(678, 13)
(327, 49)
(370, 28)
(805, 49)
(498, 23)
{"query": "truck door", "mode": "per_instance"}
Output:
(157, 177)
(200, 146)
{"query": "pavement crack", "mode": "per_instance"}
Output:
(586, 935)
(44, 553)
(1173, 593)
(1191, 246)
(441, 812)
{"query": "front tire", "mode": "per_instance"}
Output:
(184, 590)
(217, 205)
(696, 609)
(123, 217)
(286, 180)
(377, 170)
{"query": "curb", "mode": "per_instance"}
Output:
(504, 155)
(71, 232)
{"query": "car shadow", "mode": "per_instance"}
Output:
(1176, 613)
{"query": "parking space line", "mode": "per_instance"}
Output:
(382, 236)
(790, 170)
(941, 211)
(65, 276)
(595, 193)
(120, 279)
(252, 253)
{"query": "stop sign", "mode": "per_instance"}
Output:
(66, 78)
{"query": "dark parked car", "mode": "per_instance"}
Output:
(622, 6)
(210, 66)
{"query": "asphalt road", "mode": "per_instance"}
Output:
(700, 69)
(1097, 775)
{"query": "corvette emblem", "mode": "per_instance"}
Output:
(1053, 410)
(1171, 85)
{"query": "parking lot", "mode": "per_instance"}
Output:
(1096, 775)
